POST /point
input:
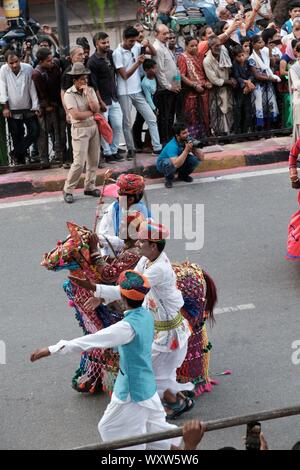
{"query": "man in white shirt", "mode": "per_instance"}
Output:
(169, 83)
(135, 407)
(20, 104)
(127, 63)
(165, 301)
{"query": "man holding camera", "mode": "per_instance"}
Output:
(181, 155)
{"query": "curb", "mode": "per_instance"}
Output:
(213, 162)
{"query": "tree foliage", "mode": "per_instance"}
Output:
(97, 8)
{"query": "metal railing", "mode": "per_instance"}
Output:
(209, 426)
(240, 123)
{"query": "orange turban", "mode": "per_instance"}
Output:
(133, 285)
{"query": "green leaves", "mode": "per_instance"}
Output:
(97, 8)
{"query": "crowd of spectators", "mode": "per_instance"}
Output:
(241, 74)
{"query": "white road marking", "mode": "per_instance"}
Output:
(152, 187)
(237, 308)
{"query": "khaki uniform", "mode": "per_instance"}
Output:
(85, 142)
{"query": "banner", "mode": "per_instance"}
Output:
(12, 9)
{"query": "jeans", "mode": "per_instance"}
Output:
(139, 102)
(114, 116)
(20, 142)
(166, 167)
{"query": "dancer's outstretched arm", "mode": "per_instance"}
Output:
(115, 335)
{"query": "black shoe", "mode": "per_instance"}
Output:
(156, 152)
(169, 184)
(68, 197)
(93, 192)
(187, 179)
(109, 159)
(67, 165)
(118, 158)
(34, 160)
(121, 151)
(130, 155)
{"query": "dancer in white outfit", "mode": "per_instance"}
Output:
(135, 407)
(165, 301)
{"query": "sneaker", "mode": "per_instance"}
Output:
(130, 154)
(121, 151)
(118, 158)
(109, 159)
(169, 184)
(187, 179)
(68, 197)
(156, 152)
(93, 192)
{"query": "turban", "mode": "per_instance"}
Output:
(133, 285)
(130, 184)
(153, 232)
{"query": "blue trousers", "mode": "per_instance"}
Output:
(166, 167)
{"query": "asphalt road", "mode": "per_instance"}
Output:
(245, 237)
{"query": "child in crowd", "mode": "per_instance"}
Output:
(149, 83)
(294, 12)
(245, 43)
(243, 93)
(149, 87)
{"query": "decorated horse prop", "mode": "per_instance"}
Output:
(98, 368)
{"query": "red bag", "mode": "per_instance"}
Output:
(104, 128)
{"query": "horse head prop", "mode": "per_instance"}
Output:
(73, 253)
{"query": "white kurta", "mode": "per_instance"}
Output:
(106, 228)
(122, 419)
(165, 301)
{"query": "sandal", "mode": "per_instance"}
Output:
(178, 408)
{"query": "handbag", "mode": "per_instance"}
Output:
(104, 128)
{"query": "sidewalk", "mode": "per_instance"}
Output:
(225, 157)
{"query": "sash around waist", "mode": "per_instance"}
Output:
(169, 325)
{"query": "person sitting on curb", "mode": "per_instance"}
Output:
(82, 104)
(179, 155)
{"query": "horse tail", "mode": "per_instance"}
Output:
(211, 297)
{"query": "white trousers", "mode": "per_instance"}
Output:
(124, 420)
(164, 366)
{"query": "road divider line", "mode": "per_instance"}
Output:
(237, 308)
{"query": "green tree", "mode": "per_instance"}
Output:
(97, 7)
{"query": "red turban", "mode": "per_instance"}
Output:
(130, 184)
(153, 232)
(133, 285)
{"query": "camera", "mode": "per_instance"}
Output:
(197, 144)
(143, 50)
